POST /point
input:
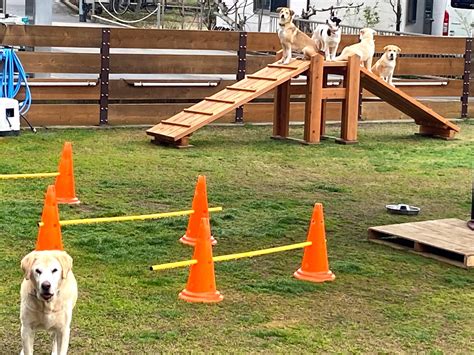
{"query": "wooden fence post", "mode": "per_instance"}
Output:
(466, 78)
(104, 77)
(241, 70)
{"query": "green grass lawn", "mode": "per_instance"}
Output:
(383, 300)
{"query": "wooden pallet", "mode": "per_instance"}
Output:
(431, 123)
(176, 129)
(448, 240)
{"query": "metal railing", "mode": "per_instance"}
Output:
(308, 26)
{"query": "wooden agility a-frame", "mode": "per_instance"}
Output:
(177, 129)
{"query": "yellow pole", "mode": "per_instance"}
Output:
(27, 176)
(228, 257)
(253, 253)
(143, 217)
(173, 265)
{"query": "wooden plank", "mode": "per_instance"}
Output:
(63, 114)
(262, 41)
(313, 107)
(213, 99)
(333, 93)
(173, 39)
(175, 124)
(261, 78)
(429, 66)
(413, 44)
(172, 64)
(402, 101)
(199, 112)
(55, 93)
(50, 36)
(58, 62)
(240, 89)
(260, 88)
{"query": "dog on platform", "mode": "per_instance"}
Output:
(327, 37)
(292, 38)
(365, 49)
(385, 66)
(48, 296)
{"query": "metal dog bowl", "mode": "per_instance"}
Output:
(403, 209)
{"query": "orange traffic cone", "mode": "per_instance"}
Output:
(200, 208)
(315, 266)
(201, 286)
(65, 186)
(49, 234)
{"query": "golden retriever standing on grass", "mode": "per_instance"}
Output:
(292, 38)
(365, 49)
(48, 296)
(385, 66)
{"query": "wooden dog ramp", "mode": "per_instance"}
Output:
(431, 123)
(176, 130)
(448, 240)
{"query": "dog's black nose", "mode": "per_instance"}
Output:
(45, 286)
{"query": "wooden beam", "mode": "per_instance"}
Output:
(312, 121)
(351, 104)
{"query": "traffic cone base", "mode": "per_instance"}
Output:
(69, 201)
(203, 297)
(314, 276)
(185, 239)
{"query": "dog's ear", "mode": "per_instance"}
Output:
(27, 263)
(386, 48)
(292, 13)
(398, 49)
(66, 262)
(279, 9)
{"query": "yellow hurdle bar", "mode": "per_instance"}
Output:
(142, 217)
(27, 176)
(227, 257)
(173, 265)
(250, 254)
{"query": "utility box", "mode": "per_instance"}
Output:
(9, 117)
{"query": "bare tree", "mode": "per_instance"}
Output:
(397, 10)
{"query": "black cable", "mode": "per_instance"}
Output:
(33, 129)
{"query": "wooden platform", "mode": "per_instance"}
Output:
(431, 123)
(177, 128)
(448, 240)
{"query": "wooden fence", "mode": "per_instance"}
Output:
(90, 76)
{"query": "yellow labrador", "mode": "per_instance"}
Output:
(385, 66)
(292, 38)
(48, 296)
(365, 49)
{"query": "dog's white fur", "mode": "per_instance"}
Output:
(365, 49)
(327, 37)
(48, 296)
(292, 38)
(385, 66)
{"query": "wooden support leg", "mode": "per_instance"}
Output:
(281, 113)
(313, 107)
(350, 110)
(443, 133)
(180, 143)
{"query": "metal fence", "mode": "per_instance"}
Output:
(308, 26)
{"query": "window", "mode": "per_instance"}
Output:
(411, 11)
(269, 5)
(463, 4)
